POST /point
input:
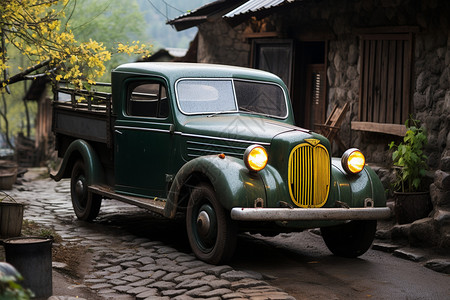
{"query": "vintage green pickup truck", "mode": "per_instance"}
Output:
(217, 146)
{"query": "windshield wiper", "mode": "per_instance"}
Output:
(220, 113)
(246, 110)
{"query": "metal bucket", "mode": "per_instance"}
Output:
(11, 218)
(32, 257)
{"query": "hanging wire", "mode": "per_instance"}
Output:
(165, 15)
(171, 6)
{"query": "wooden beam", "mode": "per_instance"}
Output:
(394, 129)
(389, 30)
(257, 35)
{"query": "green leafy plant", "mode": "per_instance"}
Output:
(409, 158)
(10, 289)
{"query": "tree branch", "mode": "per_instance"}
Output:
(23, 75)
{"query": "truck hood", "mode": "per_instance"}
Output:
(237, 127)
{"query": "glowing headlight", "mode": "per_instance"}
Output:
(255, 158)
(353, 161)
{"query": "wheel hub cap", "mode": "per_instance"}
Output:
(203, 223)
(79, 188)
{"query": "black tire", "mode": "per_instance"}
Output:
(86, 205)
(351, 239)
(210, 230)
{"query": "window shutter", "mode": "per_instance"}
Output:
(385, 91)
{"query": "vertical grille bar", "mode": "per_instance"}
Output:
(309, 175)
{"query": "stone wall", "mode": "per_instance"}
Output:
(221, 44)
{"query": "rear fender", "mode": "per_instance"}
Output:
(80, 149)
(235, 186)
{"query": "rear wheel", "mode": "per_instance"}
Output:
(86, 205)
(211, 232)
(351, 239)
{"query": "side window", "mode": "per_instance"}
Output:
(147, 99)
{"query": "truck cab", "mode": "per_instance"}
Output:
(216, 145)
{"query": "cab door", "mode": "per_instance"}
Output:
(143, 139)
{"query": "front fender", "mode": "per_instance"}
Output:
(80, 149)
(355, 189)
(234, 184)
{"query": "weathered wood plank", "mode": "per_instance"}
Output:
(394, 129)
(371, 81)
(384, 82)
(391, 78)
(407, 66)
(398, 85)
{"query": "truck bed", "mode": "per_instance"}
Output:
(82, 114)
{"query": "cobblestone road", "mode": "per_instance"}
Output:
(129, 266)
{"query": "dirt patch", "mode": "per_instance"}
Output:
(75, 258)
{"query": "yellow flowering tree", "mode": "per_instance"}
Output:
(36, 29)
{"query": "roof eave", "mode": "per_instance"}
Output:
(201, 14)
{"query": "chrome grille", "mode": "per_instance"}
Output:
(309, 174)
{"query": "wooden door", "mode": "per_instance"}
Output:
(275, 56)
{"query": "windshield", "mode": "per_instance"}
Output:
(199, 96)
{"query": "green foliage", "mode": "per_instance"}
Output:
(109, 22)
(10, 289)
(409, 157)
(15, 109)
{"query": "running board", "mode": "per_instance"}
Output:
(154, 205)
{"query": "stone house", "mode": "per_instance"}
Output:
(388, 59)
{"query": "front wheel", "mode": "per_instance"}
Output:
(86, 205)
(211, 233)
(351, 239)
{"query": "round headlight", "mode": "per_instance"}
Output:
(255, 158)
(353, 161)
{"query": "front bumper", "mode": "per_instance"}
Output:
(309, 214)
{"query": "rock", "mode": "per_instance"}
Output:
(420, 101)
(383, 234)
(409, 254)
(445, 164)
(422, 82)
(59, 265)
(353, 55)
(439, 198)
(351, 72)
(442, 180)
(400, 232)
(385, 247)
(423, 233)
(439, 265)
(238, 275)
(338, 62)
(442, 217)
(447, 102)
(445, 241)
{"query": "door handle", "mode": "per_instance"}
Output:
(117, 131)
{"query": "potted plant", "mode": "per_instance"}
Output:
(412, 199)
